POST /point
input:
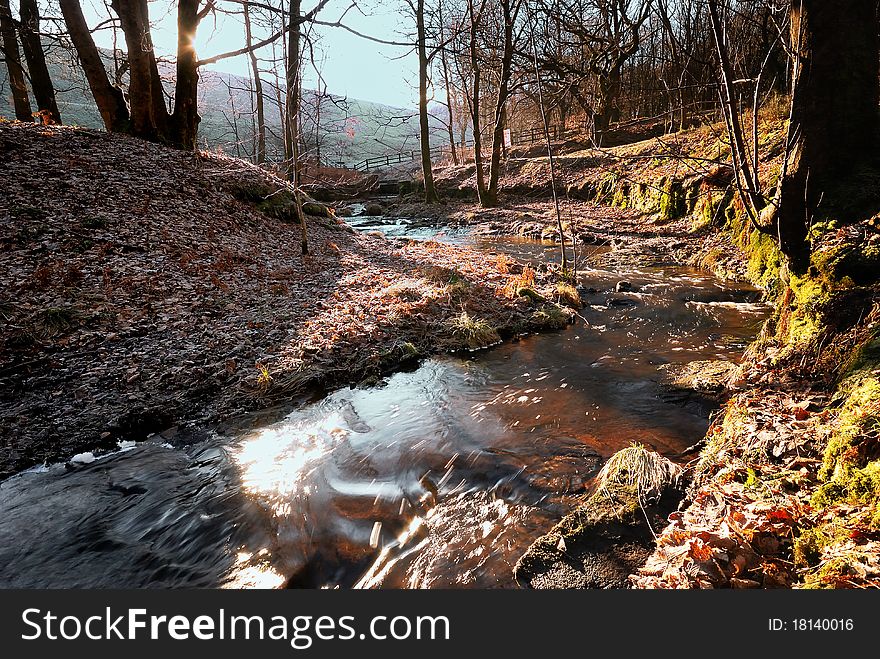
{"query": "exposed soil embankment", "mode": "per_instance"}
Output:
(143, 288)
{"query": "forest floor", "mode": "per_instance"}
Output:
(144, 289)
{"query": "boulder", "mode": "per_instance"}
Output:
(316, 208)
(609, 536)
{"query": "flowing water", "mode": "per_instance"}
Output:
(439, 477)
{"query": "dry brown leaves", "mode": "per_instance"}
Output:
(136, 285)
(750, 503)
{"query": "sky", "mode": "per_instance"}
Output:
(352, 66)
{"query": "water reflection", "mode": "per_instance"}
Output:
(440, 477)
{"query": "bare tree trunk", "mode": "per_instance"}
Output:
(41, 82)
(834, 118)
(510, 10)
(292, 128)
(149, 116)
(444, 64)
(747, 182)
(258, 91)
(424, 128)
(319, 96)
(234, 123)
(109, 98)
(546, 127)
(475, 17)
(185, 119)
(607, 111)
(20, 100)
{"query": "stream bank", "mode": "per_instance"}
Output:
(104, 349)
(784, 492)
(438, 476)
(147, 290)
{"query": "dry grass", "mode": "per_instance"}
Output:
(649, 473)
(472, 333)
(568, 295)
(525, 281)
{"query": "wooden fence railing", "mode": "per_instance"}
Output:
(520, 137)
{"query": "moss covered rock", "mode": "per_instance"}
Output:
(598, 545)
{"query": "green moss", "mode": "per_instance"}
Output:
(707, 207)
(317, 209)
(804, 322)
(399, 353)
(819, 229)
(765, 259)
(604, 511)
(808, 546)
(751, 478)
(704, 214)
(606, 188)
(672, 202)
(530, 293)
(859, 263)
(865, 357)
(280, 205)
(859, 417)
(734, 423)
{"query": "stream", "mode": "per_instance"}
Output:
(440, 476)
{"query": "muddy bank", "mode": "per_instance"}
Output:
(146, 289)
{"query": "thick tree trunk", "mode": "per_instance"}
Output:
(834, 116)
(424, 129)
(41, 82)
(149, 116)
(185, 119)
(258, 92)
(607, 111)
(109, 98)
(20, 100)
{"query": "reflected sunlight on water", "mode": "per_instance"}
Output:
(275, 461)
(253, 571)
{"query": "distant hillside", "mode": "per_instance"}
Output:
(350, 130)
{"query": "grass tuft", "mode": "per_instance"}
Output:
(649, 473)
(472, 333)
(568, 295)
